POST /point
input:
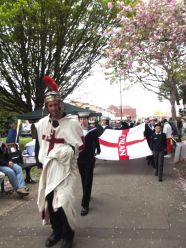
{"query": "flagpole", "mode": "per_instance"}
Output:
(121, 111)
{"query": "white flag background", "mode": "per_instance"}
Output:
(124, 144)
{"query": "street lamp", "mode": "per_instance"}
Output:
(121, 106)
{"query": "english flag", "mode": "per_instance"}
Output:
(124, 144)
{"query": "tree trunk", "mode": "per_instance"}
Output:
(173, 101)
(173, 111)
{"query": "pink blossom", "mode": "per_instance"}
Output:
(156, 31)
(117, 51)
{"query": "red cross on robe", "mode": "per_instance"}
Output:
(52, 140)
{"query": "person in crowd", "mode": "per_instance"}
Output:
(158, 146)
(13, 171)
(124, 125)
(118, 125)
(130, 121)
(105, 123)
(99, 128)
(146, 121)
(157, 122)
(174, 127)
(59, 139)
(149, 130)
(138, 122)
(92, 123)
(179, 128)
(86, 160)
(12, 133)
(113, 124)
(167, 129)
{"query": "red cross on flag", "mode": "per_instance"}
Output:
(124, 144)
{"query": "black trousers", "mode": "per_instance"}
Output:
(86, 170)
(59, 220)
(159, 162)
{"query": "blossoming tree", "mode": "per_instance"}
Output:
(148, 46)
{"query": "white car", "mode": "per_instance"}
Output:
(26, 130)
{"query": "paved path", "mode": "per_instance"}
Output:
(129, 209)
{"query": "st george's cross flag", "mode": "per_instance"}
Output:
(124, 144)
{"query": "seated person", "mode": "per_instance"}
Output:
(14, 173)
(2, 175)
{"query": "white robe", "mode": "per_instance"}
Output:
(59, 165)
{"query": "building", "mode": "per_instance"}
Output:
(126, 111)
(105, 112)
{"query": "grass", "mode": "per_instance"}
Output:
(22, 141)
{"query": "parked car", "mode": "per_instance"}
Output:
(26, 130)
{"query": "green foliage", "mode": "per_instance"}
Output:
(63, 38)
(6, 118)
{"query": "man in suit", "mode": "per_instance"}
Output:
(86, 160)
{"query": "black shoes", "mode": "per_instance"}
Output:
(84, 211)
(30, 181)
(66, 243)
(52, 239)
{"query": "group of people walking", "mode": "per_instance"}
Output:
(62, 143)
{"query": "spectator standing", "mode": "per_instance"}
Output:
(174, 127)
(167, 129)
(130, 122)
(179, 128)
(124, 125)
(118, 125)
(105, 123)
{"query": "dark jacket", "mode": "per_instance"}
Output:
(91, 146)
(11, 138)
(148, 133)
(158, 142)
(3, 156)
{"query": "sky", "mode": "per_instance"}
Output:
(98, 91)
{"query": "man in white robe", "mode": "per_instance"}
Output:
(59, 139)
